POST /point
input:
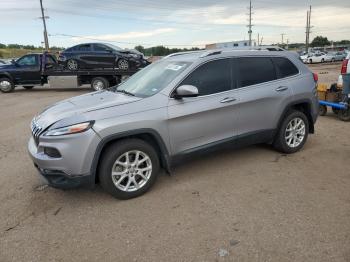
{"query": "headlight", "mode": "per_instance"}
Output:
(68, 130)
(134, 55)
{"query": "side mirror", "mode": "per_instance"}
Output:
(13, 61)
(186, 91)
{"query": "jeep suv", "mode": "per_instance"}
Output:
(184, 104)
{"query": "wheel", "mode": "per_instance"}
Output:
(322, 60)
(322, 110)
(6, 85)
(344, 114)
(335, 110)
(123, 64)
(292, 133)
(72, 65)
(310, 61)
(128, 168)
(99, 83)
(28, 87)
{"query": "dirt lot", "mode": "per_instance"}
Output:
(240, 205)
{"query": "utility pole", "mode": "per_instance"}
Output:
(282, 35)
(250, 24)
(287, 44)
(308, 29)
(258, 39)
(46, 39)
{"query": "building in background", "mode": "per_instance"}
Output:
(233, 44)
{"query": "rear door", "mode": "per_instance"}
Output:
(28, 70)
(85, 55)
(200, 121)
(103, 56)
(262, 97)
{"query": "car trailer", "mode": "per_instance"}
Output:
(98, 79)
(332, 97)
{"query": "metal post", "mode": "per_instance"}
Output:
(250, 23)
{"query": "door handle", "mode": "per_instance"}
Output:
(228, 100)
(282, 88)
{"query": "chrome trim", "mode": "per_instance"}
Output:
(36, 131)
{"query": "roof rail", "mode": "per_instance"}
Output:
(209, 53)
(181, 53)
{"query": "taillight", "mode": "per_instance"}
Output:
(315, 77)
(344, 66)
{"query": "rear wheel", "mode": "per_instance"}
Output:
(322, 110)
(6, 85)
(72, 65)
(128, 168)
(322, 61)
(344, 114)
(99, 83)
(293, 132)
(310, 61)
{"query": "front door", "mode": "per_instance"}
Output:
(201, 121)
(28, 70)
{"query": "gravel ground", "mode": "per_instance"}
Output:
(252, 204)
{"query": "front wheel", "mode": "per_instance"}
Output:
(128, 168)
(6, 85)
(344, 114)
(293, 132)
(123, 64)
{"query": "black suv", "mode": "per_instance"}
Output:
(98, 55)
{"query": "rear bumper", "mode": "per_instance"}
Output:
(58, 179)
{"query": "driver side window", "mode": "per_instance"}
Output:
(212, 77)
(29, 60)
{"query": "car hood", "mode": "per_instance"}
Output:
(6, 66)
(73, 110)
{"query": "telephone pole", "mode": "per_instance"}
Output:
(250, 31)
(308, 29)
(282, 35)
(46, 39)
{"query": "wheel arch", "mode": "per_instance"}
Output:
(7, 75)
(148, 135)
(302, 106)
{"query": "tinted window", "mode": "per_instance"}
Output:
(284, 67)
(101, 48)
(255, 70)
(212, 77)
(29, 60)
(83, 48)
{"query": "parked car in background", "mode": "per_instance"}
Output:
(101, 55)
(317, 58)
(2, 62)
(335, 56)
(304, 57)
(187, 103)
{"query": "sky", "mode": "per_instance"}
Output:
(177, 23)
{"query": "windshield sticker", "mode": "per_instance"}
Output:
(174, 67)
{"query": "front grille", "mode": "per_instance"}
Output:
(36, 131)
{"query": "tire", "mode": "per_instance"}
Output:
(335, 110)
(322, 110)
(99, 83)
(322, 60)
(344, 114)
(72, 65)
(123, 64)
(310, 61)
(292, 118)
(125, 188)
(28, 87)
(6, 85)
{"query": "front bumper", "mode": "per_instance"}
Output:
(73, 167)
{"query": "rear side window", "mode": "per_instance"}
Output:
(255, 70)
(83, 48)
(284, 67)
(101, 48)
(212, 77)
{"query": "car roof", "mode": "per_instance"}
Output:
(192, 56)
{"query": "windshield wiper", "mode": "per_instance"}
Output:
(125, 92)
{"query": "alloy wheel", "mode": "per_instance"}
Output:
(5, 85)
(295, 132)
(98, 85)
(131, 171)
(72, 65)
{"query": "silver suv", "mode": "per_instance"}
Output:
(186, 103)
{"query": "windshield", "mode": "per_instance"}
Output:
(153, 78)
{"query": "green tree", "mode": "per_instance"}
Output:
(320, 41)
(2, 46)
(140, 48)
